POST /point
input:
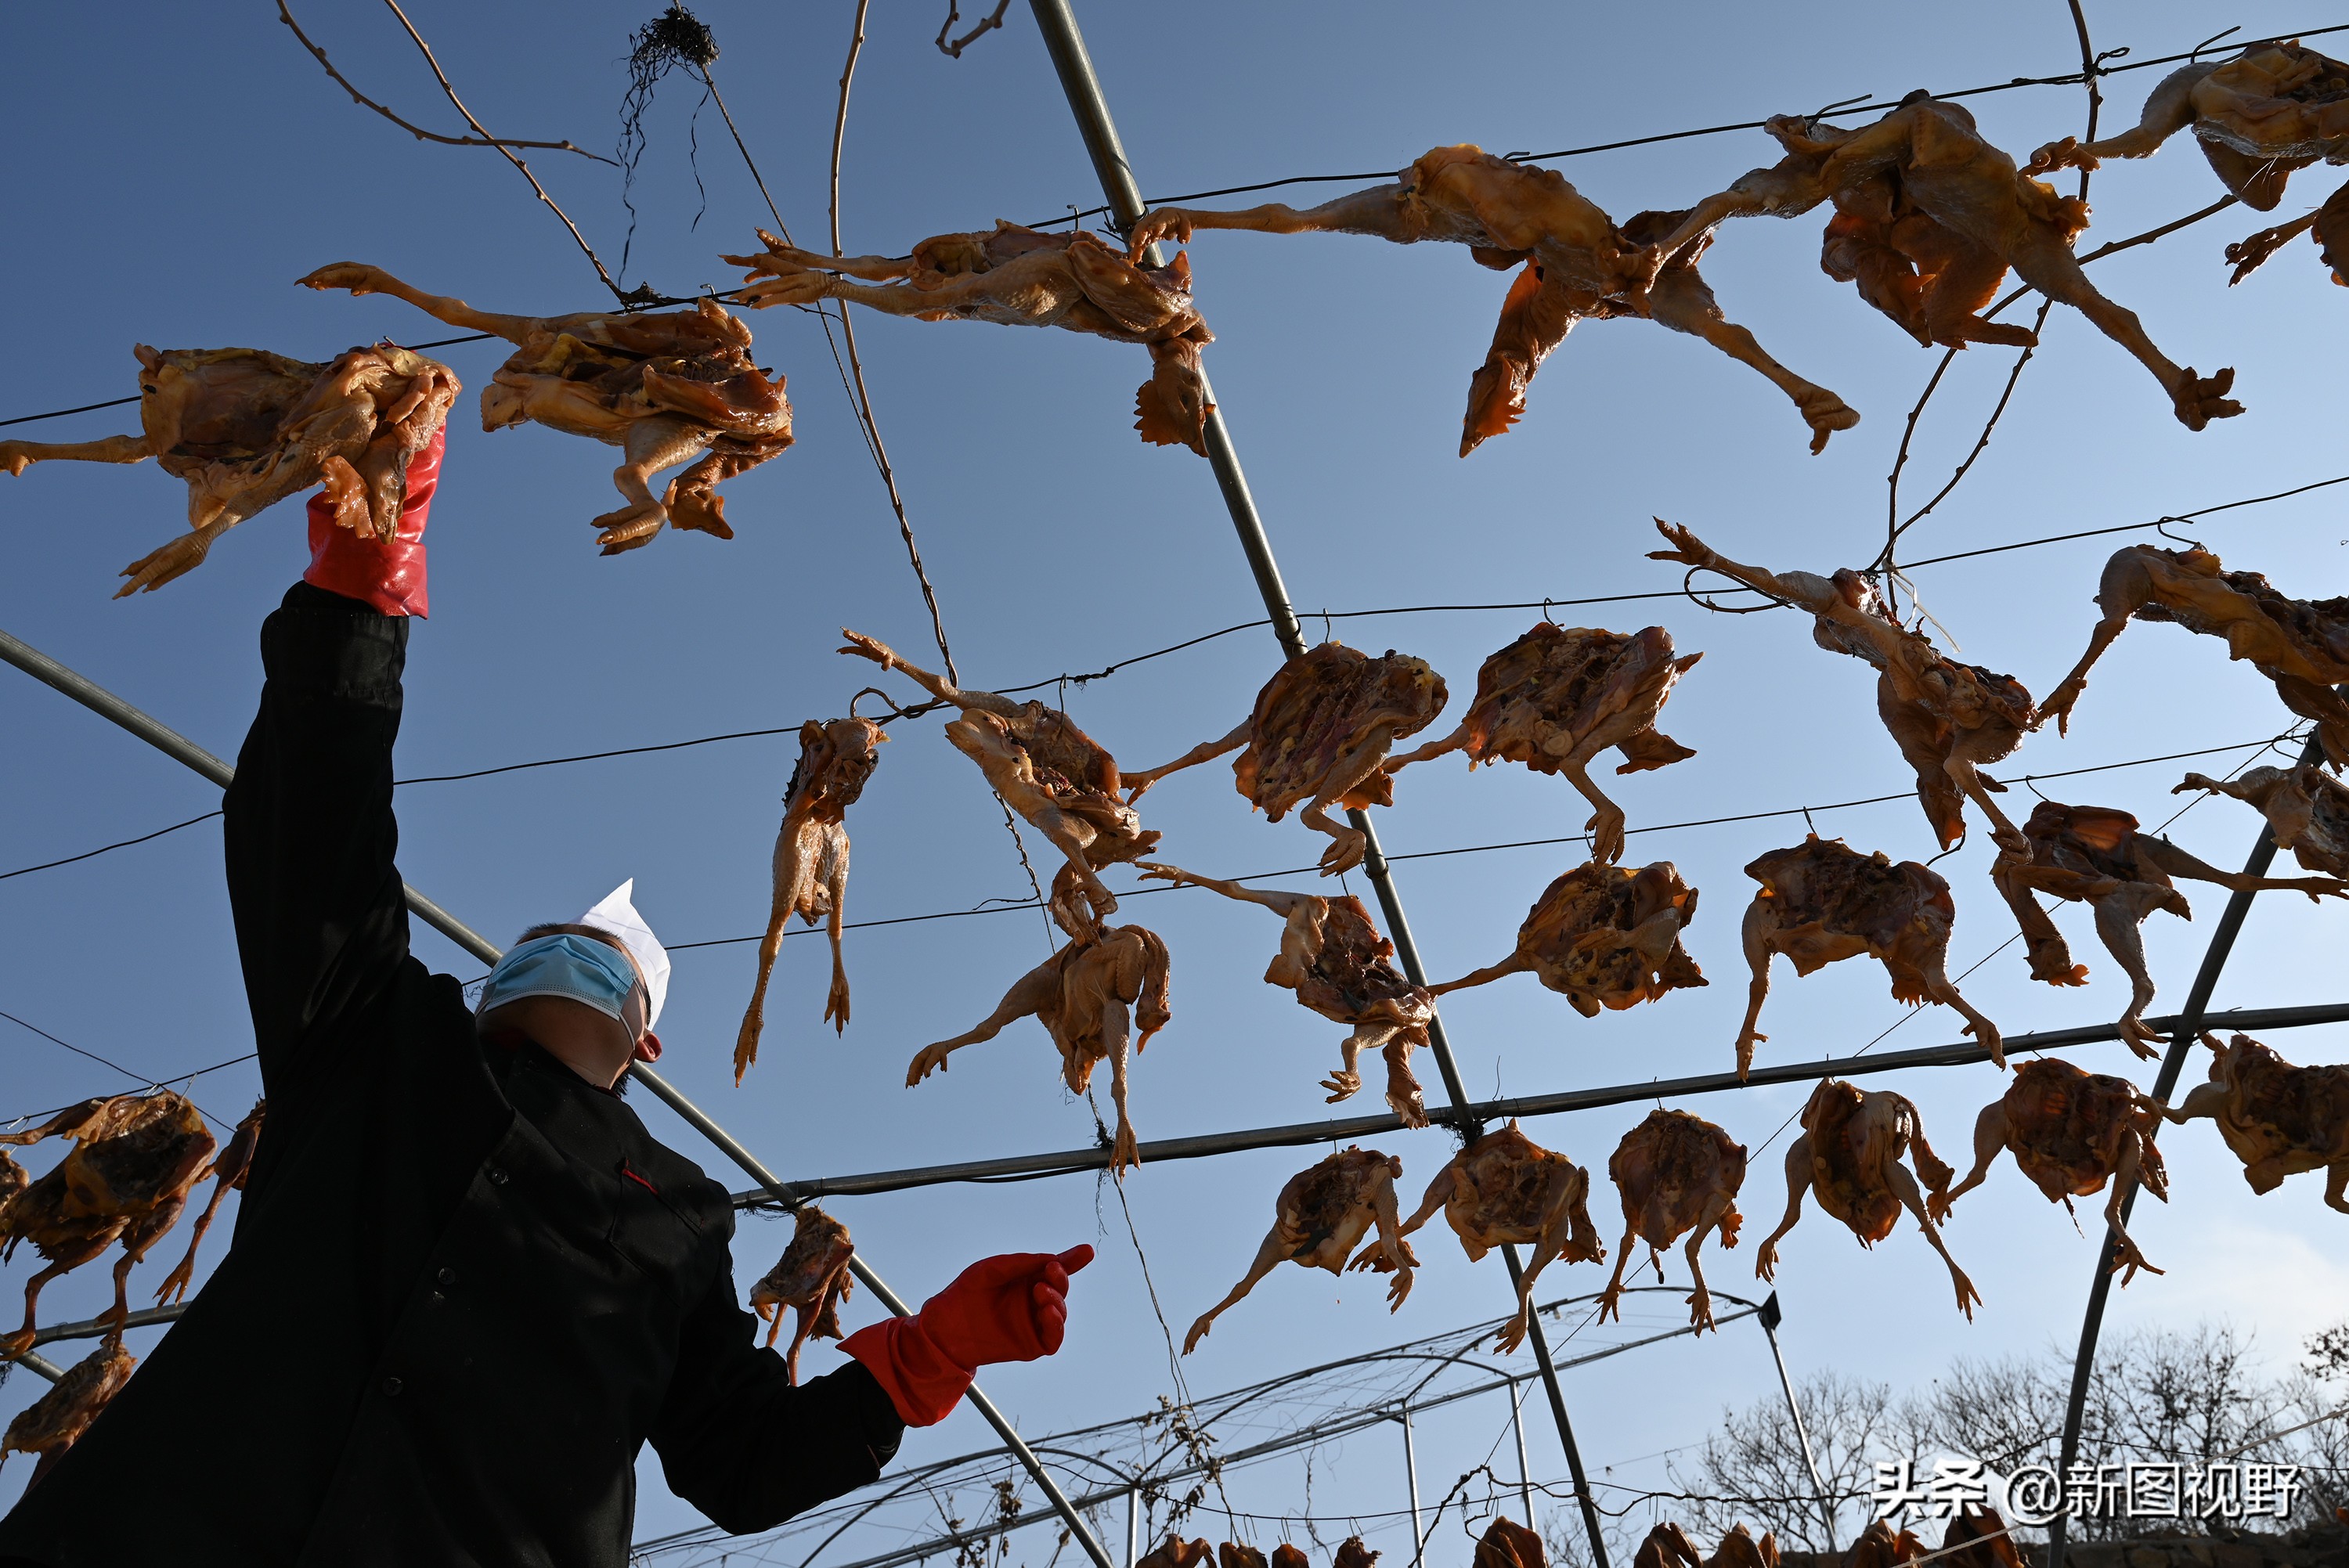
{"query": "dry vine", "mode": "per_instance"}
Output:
(987, 25)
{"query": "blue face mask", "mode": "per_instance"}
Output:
(578, 967)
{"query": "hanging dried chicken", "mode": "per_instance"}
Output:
(56, 1421)
(1678, 1175)
(1017, 276)
(245, 428)
(2093, 854)
(2301, 644)
(2307, 810)
(2280, 1119)
(1504, 1188)
(2072, 1132)
(1505, 1543)
(1948, 719)
(813, 1278)
(1339, 965)
(1603, 936)
(1821, 900)
(810, 875)
(1317, 737)
(1667, 1546)
(229, 1169)
(1573, 263)
(665, 386)
(1556, 697)
(1849, 1154)
(1320, 1214)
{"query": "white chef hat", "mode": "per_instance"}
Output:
(616, 915)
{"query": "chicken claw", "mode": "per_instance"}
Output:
(152, 570)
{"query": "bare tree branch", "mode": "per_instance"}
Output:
(954, 14)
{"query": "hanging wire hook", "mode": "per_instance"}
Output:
(1688, 589)
(2161, 526)
(2212, 39)
(895, 712)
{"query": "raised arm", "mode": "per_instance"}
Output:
(1280, 903)
(361, 279)
(882, 654)
(1206, 751)
(1378, 211)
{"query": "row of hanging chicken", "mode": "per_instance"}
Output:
(1929, 219)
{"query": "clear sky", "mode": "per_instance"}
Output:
(176, 167)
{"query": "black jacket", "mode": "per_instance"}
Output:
(466, 1285)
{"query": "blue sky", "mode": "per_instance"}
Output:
(175, 175)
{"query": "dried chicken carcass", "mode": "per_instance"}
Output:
(1178, 1553)
(1352, 1554)
(813, 1278)
(56, 1421)
(1287, 1556)
(2280, 1119)
(1317, 737)
(135, 1160)
(1089, 996)
(1740, 1549)
(1321, 1213)
(1950, 719)
(665, 386)
(1505, 1543)
(1556, 697)
(1667, 1545)
(1333, 957)
(1849, 1154)
(1921, 184)
(1505, 1188)
(1018, 276)
(1881, 1546)
(2307, 810)
(810, 875)
(229, 1169)
(1977, 1538)
(245, 428)
(1678, 1175)
(1060, 779)
(1573, 263)
(1233, 1554)
(1822, 901)
(2301, 644)
(2072, 1130)
(1603, 936)
(2095, 855)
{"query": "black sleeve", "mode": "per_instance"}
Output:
(738, 1442)
(321, 920)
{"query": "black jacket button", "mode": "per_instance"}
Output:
(391, 1388)
(497, 1177)
(447, 1276)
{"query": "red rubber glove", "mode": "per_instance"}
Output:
(1014, 1307)
(389, 577)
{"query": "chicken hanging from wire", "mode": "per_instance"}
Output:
(1017, 276)
(1929, 218)
(1332, 956)
(1506, 1188)
(1603, 936)
(1849, 1154)
(2300, 644)
(2307, 810)
(1573, 263)
(2095, 855)
(1505, 1543)
(56, 1421)
(228, 1171)
(811, 1278)
(2280, 1119)
(1678, 1175)
(811, 862)
(665, 386)
(2072, 1132)
(1556, 697)
(1317, 737)
(245, 428)
(1320, 1214)
(1667, 1546)
(1950, 719)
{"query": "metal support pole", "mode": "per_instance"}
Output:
(1525, 1465)
(1771, 1318)
(103, 701)
(40, 1365)
(2173, 1064)
(1133, 1524)
(1410, 1474)
(1058, 23)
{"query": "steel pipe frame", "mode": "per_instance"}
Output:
(104, 703)
(1071, 61)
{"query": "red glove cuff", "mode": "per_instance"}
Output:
(920, 1379)
(388, 576)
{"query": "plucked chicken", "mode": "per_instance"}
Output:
(1287, 1556)
(1352, 1554)
(2072, 1132)
(664, 387)
(1821, 900)
(1977, 1538)
(2280, 1119)
(1505, 1543)
(1334, 959)
(1948, 719)
(810, 875)
(2301, 644)
(2095, 855)
(1922, 184)
(2307, 810)
(1678, 1175)
(229, 1169)
(1321, 1213)
(1667, 1546)
(56, 1421)
(245, 428)
(1603, 936)
(1849, 1154)
(1059, 778)
(1573, 263)
(1317, 736)
(1556, 697)
(1018, 276)
(1740, 1549)
(1881, 1546)
(813, 1278)
(1505, 1188)
(1177, 1552)
(135, 1158)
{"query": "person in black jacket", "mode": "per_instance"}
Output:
(467, 1285)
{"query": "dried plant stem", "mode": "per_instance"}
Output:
(987, 25)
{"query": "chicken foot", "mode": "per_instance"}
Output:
(359, 278)
(17, 456)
